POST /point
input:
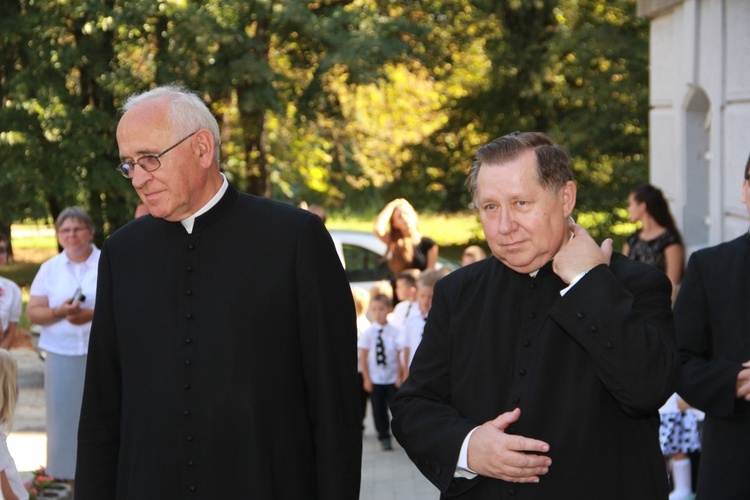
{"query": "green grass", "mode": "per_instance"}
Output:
(21, 273)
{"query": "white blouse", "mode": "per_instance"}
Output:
(57, 279)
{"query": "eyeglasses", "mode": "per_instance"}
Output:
(75, 230)
(149, 163)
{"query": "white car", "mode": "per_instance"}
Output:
(363, 257)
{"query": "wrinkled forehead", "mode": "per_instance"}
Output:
(147, 123)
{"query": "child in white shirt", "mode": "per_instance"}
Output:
(406, 292)
(380, 349)
(414, 327)
(361, 305)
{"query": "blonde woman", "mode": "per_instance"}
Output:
(396, 226)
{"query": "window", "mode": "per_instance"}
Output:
(364, 265)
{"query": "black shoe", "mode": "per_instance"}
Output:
(385, 444)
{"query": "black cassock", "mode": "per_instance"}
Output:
(588, 370)
(222, 363)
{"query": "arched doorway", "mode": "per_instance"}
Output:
(698, 161)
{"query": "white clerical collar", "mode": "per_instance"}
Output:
(190, 221)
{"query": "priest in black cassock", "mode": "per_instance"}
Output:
(542, 369)
(712, 317)
(222, 359)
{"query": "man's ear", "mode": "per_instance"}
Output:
(569, 192)
(204, 147)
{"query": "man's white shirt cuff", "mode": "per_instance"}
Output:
(462, 469)
(575, 280)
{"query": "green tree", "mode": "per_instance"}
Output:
(576, 69)
(341, 102)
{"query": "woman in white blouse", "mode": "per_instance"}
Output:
(62, 303)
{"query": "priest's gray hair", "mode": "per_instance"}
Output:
(187, 112)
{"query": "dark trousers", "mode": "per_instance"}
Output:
(381, 397)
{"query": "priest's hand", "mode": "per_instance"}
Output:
(580, 254)
(494, 453)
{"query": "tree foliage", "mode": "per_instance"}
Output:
(340, 102)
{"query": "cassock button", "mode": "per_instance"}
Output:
(522, 372)
(533, 286)
(511, 491)
(189, 315)
(187, 362)
(191, 246)
(192, 488)
(526, 343)
(189, 437)
(189, 268)
(190, 463)
(609, 345)
(188, 292)
(580, 315)
(186, 387)
(516, 401)
(188, 340)
(186, 413)
(532, 315)
(593, 329)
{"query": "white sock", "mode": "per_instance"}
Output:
(681, 479)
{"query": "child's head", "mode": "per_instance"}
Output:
(406, 284)
(8, 388)
(425, 287)
(382, 287)
(473, 253)
(380, 306)
(361, 300)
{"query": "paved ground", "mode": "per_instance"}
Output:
(386, 475)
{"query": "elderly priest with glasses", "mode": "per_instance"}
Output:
(224, 340)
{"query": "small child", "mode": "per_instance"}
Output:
(380, 349)
(406, 292)
(361, 304)
(414, 326)
(10, 480)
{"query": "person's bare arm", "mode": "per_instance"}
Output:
(5, 487)
(9, 337)
(674, 263)
(625, 249)
(40, 313)
(432, 256)
(366, 381)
